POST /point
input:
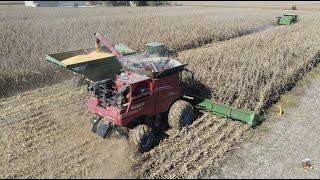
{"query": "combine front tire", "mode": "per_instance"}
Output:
(180, 114)
(141, 138)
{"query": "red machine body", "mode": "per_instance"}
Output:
(139, 99)
(157, 96)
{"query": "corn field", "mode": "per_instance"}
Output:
(250, 72)
(239, 57)
(28, 34)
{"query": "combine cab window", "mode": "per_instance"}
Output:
(156, 48)
(140, 89)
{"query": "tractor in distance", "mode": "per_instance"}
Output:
(287, 19)
(136, 94)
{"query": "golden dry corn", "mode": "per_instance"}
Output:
(86, 58)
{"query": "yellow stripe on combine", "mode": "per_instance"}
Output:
(85, 58)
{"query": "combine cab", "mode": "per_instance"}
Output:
(287, 19)
(159, 49)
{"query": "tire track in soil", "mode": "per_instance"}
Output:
(30, 133)
(193, 151)
(46, 134)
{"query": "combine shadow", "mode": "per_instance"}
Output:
(190, 87)
(158, 138)
(194, 87)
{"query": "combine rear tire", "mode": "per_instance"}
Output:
(141, 138)
(180, 114)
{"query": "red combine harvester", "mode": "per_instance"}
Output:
(138, 97)
(143, 95)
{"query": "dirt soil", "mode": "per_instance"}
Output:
(46, 134)
(277, 147)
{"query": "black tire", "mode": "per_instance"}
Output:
(180, 114)
(95, 123)
(141, 138)
(120, 132)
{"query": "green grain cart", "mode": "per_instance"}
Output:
(287, 19)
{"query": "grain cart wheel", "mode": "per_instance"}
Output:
(141, 138)
(180, 114)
